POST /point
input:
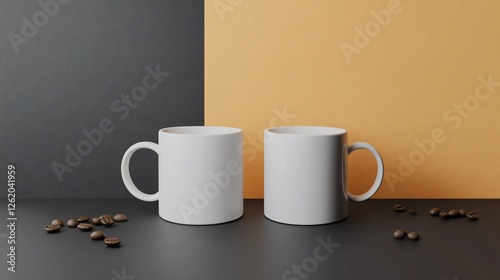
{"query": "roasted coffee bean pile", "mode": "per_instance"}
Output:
(85, 223)
(452, 214)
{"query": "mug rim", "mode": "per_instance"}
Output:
(307, 130)
(200, 130)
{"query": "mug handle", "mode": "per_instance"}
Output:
(127, 180)
(380, 171)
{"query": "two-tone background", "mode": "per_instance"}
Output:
(81, 81)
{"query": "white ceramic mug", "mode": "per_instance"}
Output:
(200, 174)
(305, 174)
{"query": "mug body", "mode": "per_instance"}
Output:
(200, 174)
(305, 180)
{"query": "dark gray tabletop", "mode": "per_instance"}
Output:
(253, 247)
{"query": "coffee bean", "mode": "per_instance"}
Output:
(85, 226)
(105, 215)
(96, 221)
(72, 223)
(58, 222)
(120, 218)
(472, 215)
(454, 214)
(83, 219)
(52, 228)
(412, 211)
(107, 221)
(97, 235)
(434, 211)
(399, 208)
(413, 236)
(400, 234)
(444, 215)
(112, 242)
(463, 213)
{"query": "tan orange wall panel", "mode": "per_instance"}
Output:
(420, 80)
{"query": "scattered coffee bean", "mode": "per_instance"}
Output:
(97, 235)
(96, 221)
(84, 223)
(72, 223)
(472, 215)
(444, 215)
(105, 215)
(400, 234)
(58, 222)
(434, 211)
(52, 228)
(112, 242)
(107, 221)
(85, 226)
(399, 208)
(454, 214)
(413, 236)
(120, 218)
(412, 211)
(83, 219)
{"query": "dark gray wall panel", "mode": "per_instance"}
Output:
(63, 76)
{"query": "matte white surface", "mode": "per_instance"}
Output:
(305, 174)
(200, 174)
